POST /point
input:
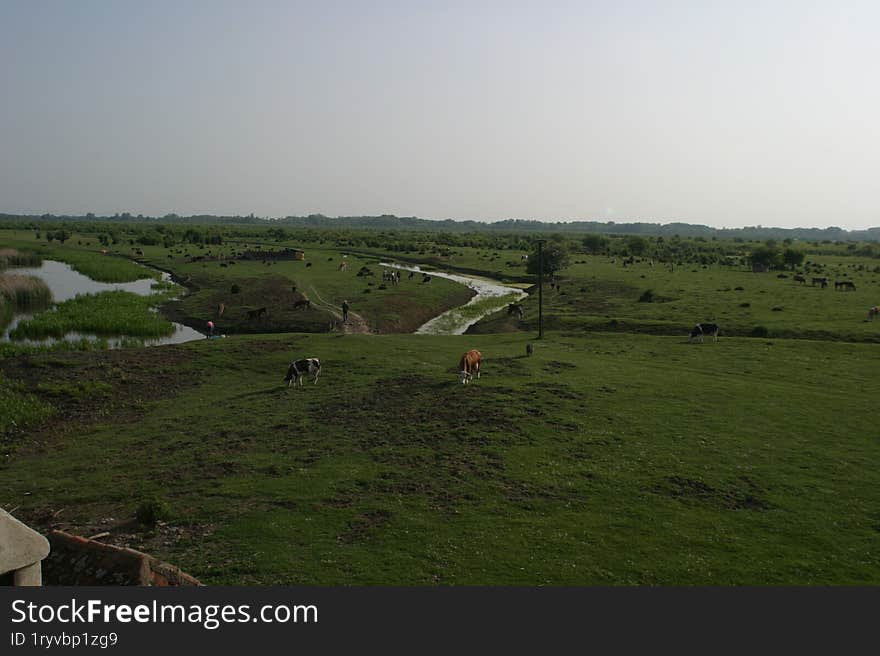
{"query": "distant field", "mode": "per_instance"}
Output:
(600, 295)
(602, 459)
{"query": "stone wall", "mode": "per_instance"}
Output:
(75, 560)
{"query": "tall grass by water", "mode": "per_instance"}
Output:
(10, 257)
(103, 268)
(21, 294)
(24, 292)
(107, 314)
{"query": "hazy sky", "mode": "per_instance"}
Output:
(725, 113)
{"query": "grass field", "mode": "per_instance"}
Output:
(602, 459)
(618, 454)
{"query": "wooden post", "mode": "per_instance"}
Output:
(541, 288)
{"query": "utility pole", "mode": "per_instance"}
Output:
(541, 288)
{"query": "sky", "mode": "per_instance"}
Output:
(729, 114)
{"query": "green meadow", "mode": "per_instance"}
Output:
(619, 453)
(607, 459)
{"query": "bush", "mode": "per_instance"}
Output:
(759, 331)
(647, 296)
(235, 289)
(151, 511)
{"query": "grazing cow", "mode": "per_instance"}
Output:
(343, 266)
(411, 274)
(873, 312)
(702, 329)
(845, 284)
(469, 365)
(800, 279)
(221, 308)
(821, 281)
(529, 349)
(517, 309)
(308, 264)
(303, 303)
(426, 278)
(299, 369)
(256, 314)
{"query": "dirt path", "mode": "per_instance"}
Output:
(355, 323)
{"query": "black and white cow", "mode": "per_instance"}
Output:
(299, 369)
(702, 329)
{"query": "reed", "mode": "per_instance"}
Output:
(10, 257)
(23, 293)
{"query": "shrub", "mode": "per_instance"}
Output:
(151, 511)
(647, 296)
(760, 331)
(235, 289)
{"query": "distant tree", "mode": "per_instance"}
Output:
(62, 236)
(766, 255)
(595, 243)
(555, 256)
(50, 236)
(792, 258)
(636, 245)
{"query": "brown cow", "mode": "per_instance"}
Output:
(469, 365)
(221, 308)
(873, 312)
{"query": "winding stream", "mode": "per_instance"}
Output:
(65, 283)
(490, 297)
